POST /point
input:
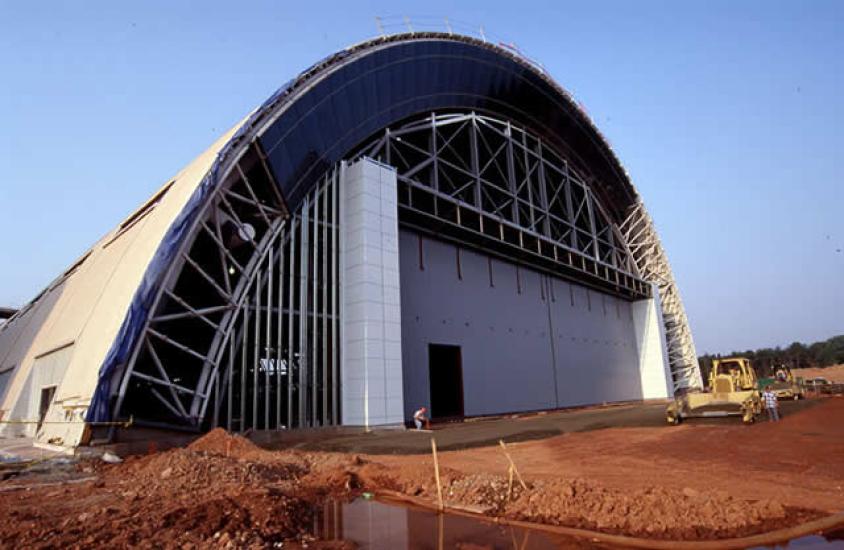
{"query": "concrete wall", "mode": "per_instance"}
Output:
(528, 341)
(371, 367)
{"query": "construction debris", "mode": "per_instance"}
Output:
(111, 458)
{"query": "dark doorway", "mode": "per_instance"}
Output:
(445, 370)
(44, 405)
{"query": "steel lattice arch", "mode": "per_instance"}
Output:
(237, 307)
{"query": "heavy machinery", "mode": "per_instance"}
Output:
(784, 385)
(732, 391)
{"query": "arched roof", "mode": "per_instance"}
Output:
(315, 120)
(309, 124)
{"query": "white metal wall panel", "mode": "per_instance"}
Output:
(505, 328)
(371, 358)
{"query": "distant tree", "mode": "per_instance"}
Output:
(832, 352)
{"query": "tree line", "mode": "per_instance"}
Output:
(796, 356)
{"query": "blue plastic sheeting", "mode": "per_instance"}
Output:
(142, 302)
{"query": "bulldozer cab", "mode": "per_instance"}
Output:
(784, 374)
(731, 374)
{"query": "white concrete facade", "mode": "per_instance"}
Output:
(654, 368)
(371, 365)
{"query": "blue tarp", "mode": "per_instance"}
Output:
(142, 302)
(139, 309)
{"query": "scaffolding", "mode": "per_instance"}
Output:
(649, 255)
(244, 333)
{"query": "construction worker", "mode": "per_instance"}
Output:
(771, 404)
(419, 417)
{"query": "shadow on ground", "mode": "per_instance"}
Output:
(486, 431)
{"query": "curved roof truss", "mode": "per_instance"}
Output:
(280, 156)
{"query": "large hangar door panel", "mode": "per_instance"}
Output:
(596, 353)
(503, 318)
(501, 327)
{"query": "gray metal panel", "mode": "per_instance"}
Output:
(597, 358)
(505, 333)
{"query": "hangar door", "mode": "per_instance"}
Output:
(445, 371)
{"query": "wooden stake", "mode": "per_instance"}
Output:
(437, 473)
(509, 482)
(526, 539)
(440, 532)
(512, 464)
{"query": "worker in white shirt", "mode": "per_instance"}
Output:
(771, 404)
(419, 417)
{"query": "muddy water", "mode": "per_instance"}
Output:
(375, 525)
(812, 542)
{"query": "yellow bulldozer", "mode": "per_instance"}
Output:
(732, 391)
(784, 384)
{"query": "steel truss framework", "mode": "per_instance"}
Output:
(244, 332)
(644, 243)
(498, 181)
(489, 181)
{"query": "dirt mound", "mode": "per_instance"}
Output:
(343, 477)
(186, 498)
(228, 517)
(187, 469)
(221, 442)
(487, 492)
(654, 512)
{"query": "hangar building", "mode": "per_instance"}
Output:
(419, 219)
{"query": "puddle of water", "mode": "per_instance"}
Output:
(811, 542)
(376, 525)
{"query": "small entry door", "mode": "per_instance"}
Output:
(44, 405)
(445, 370)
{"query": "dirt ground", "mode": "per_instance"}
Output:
(834, 374)
(696, 481)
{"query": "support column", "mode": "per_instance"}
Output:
(371, 368)
(654, 368)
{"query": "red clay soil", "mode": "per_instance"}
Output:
(834, 373)
(692, 481)
(183, 498)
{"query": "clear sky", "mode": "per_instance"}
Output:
(729, 116)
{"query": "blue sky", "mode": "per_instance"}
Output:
(728, 115)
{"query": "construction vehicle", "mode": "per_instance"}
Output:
(784, 385)
(732, 391)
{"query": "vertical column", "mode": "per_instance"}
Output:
(371, 368)
(651, 342)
